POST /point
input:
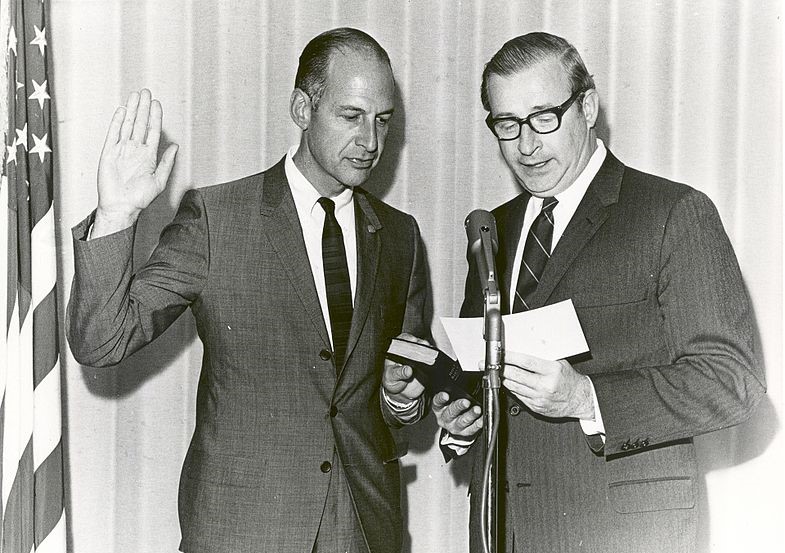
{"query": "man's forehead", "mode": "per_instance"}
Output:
(368, 85)
(542, 85)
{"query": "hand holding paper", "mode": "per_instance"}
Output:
(550, 388)
(536, 343)
(552, 332)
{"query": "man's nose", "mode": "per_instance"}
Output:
(368, 136)
(528, 141)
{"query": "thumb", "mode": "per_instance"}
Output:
(166, 164)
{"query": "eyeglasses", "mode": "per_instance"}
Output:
(542, 122)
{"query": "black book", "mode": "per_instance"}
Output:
(436, 370)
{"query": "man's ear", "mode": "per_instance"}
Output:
(591, 107)
(300, 108)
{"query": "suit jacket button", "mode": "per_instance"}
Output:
(326, 467)
(514, 410)
(645, 443)
(625, 446)
(333, 410)
(325, 355)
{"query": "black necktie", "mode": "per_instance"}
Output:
(336, 279)
(536, 252)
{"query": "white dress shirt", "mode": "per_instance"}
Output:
(311, 215)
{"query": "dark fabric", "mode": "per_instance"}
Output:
(336, 279)
(662, 303)
(272, 407)
(536, 253)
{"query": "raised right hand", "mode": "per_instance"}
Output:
(130, 176)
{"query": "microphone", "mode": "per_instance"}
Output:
(483, 244)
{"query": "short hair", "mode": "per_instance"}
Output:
(315, 59)
(525, 51)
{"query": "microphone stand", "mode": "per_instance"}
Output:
(494, 360)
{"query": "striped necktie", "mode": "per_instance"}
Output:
(336, 279)
(536, 252)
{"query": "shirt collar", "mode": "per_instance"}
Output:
(575, 192)
(305, 195)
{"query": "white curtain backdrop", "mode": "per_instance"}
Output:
(690, 90)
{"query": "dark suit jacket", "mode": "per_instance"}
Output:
(664, 309)
(270, 407)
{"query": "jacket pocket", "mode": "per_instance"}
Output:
(652, 494)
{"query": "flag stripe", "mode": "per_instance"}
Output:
(48, 494)
(18, 520)
(42, 248)
(46, 422)
(55, 540)
(45, 339)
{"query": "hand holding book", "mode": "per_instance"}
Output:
(435, 370)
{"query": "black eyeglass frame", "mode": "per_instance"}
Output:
(558, 111)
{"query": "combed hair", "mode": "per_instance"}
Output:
(315, 59)
(527, 50)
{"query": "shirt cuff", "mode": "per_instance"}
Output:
(596, 426)
(405, 412)
(458, 444)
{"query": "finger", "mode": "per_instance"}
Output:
(113, 133)
(142, 116)
(130, 115)
(473, 425)
(458, 408)
(165, 166)
(516, 374)
(411, 338)
(525, 393)
(519, 358)
(156, 121)
(413, 389)
(441, 400)
(400, 373)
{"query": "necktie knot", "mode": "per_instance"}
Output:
(328, 205)
(549, 203)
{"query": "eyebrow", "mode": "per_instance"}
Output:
(535, 109)
(360, 110)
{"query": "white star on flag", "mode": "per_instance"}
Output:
(40, 147)
(40, 38)
(12, 40)
(40, 93)
(21, 136)
(11, 154)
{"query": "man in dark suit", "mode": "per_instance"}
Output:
(596, 451)
(298, 279)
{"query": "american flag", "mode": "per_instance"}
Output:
(33, 514)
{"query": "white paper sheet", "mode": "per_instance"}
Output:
(551, 332)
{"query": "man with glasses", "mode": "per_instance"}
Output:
(596, 451)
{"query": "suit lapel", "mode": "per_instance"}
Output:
(283, 230)
(588, 218)
(509, 227)
(368, 252)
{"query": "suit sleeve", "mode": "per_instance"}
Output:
(715, 378)
(112, 312)
(414, 317)
(413, 323)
